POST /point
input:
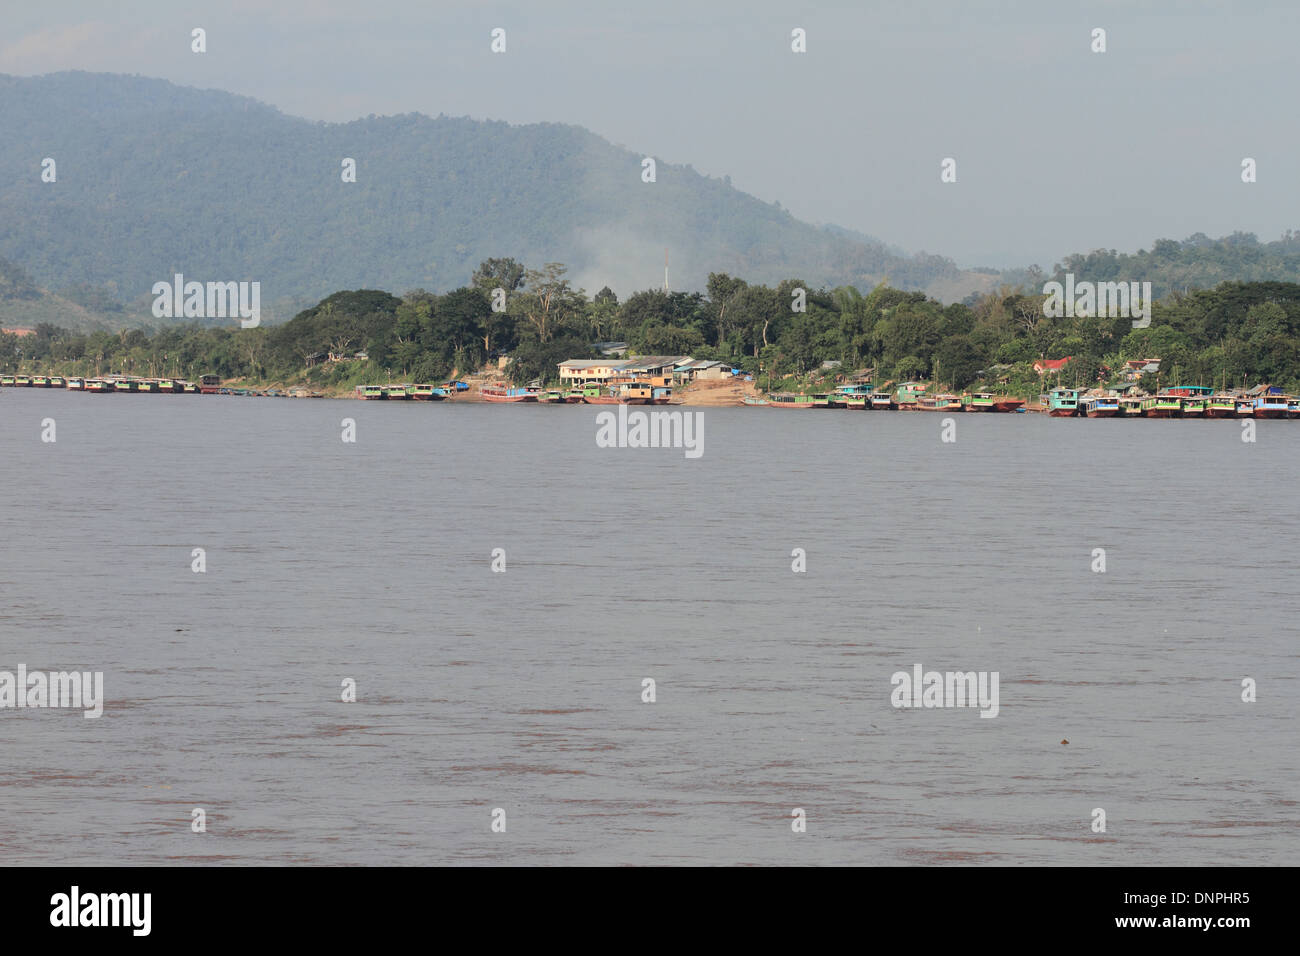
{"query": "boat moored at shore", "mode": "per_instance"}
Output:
(1272, 406)
(1221, 405)
(790, 400)
(1099, 406)
(1062, 402)
(505, 393)
(1163, 405)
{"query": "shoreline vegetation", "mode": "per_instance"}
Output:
(783, 339)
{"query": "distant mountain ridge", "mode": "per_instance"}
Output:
(155, 179)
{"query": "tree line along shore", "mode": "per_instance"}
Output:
(516, 325)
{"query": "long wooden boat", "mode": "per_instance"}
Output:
(427, 393)
(1272, 406)
(370, 393)
(826, 400)
(788, 400)
(1099, 406)
(635, 393)
(853, 396)
(40, 381)
(22, 381)
(125, 385)
(504, 393)
(57, 381)
(662, 395)
(1221, 405)
(550, 396)
(1163, 405)
(751, 400)
(906, 395)
(167, 386)
(210, 384)
(397, 393)
(1008, 403)
(1130, 407)
(593, 393)
(6, 381)
(100, 385)
(76, 384)
(938, 403)
(147, 385)
(189, 388)
(978, 402)
(882, 400)
(1194, 406)
(1062, 402)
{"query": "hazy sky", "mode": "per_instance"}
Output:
(1058, 149)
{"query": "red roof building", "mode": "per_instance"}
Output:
(1051, 365)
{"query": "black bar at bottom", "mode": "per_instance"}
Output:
(975, 906)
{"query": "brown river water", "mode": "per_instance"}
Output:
(522, 690)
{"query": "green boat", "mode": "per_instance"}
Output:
(23, 381)
(427, 393)
(1162, 406)
(166, 385)
(57, 381)
(790, 400)
(583, 393)
(979, 402)
(40, 381)
(396, 393)
(853, 396)
(6, 381)
(1221, 405)
(1063, 402)
(371, 392)
(124, 385)
(907, 394)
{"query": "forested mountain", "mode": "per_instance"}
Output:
(154, 179)
(1197, 262)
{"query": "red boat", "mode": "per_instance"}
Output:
(210, 384)
(502, 393)
(1007, 404)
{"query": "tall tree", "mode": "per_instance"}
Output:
(498, 274)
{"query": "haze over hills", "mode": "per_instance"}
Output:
(155, 179)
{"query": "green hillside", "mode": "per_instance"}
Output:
(155, 179)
